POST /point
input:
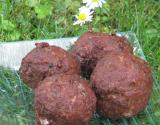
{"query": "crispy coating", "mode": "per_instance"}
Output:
(45, 61)
(64, 100)
(92, 46)
(123, 84)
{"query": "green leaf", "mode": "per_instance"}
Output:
(157, 113)
(97, 19)
(7, 25)
(0, 8)
(32, 3)
(43, 10)
(74, 6)
(14, 35)
(106, 6)
(151, 32)
(68, 3)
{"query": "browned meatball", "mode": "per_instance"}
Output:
(64, 100)
(92, 46)
(45, 61)
(123, 85)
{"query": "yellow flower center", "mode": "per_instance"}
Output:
(95, 1)
(82, 17)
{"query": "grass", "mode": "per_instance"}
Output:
(16, 100)
(34, 22)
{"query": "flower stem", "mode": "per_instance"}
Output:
(90, 29)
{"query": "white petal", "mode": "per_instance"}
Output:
(100, 4)
(75, 23)
(93, 5)
(103, 1)
(76, 16)
(84, 9)
(85, 1)
(81, 24)
(89, 18)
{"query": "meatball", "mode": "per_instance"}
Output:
(45, 61)
(64, 100)
(123, 84)
(92, 46)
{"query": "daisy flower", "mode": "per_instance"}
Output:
(85, 15)
(94, 3)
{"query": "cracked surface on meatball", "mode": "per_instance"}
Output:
(123, 84)
(92, 46)
(64, 100)
(45, 61)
